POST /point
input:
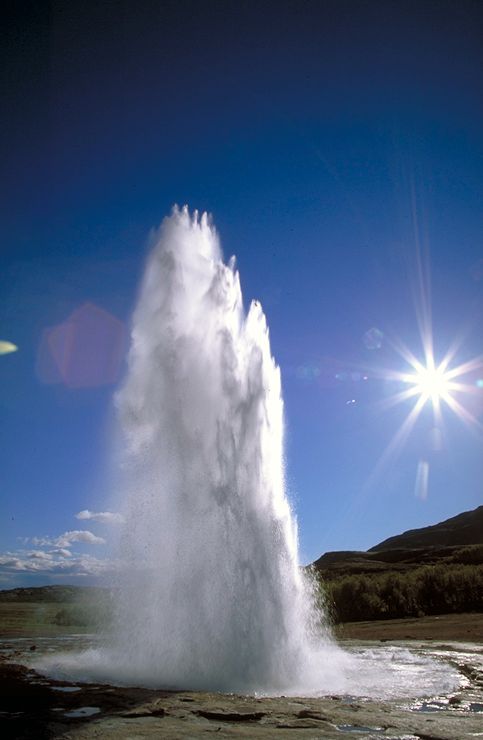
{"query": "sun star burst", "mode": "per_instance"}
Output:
(431, 383)
(427, 382)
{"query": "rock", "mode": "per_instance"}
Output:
(226, 716)
(310, 714)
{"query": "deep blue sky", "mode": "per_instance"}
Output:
(328, 140)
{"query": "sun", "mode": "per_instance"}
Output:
(439, 384)
(431, 383)
(428, 382)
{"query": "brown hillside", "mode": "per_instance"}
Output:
(463, 529)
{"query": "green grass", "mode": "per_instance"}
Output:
(36, 619)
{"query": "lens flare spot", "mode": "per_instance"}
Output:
(422, 480)
(84, 351)
(373, 338)
(7, 348)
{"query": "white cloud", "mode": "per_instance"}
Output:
(62, 551)
(51, 559)
(79, 535)
(66, 539)
(77, 566)
(39, 555)
(11, 562)
(106, 517)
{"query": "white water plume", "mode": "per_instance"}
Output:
(213, 595)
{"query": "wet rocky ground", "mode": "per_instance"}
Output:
(33, 706)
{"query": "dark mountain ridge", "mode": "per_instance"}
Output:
(463, 529)
(455, 540)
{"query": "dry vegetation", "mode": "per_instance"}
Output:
(426, 590)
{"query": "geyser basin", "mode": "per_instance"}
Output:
(381, 673)
(211, 595)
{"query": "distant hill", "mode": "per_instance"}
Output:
(456, 540)
(463, 529)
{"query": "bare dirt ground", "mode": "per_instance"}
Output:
(464, 627)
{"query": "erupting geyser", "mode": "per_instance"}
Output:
(210, 592)
(212, 595)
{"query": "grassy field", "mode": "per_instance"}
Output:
(41, 619)
(45, 619)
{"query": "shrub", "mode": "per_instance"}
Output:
(430, 589)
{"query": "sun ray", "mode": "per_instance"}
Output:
(463, 413)
(467, 367)
(464, 388)
(406, 354)
(397, 398)
(397, 442)
(438, 416)
(451, 353)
